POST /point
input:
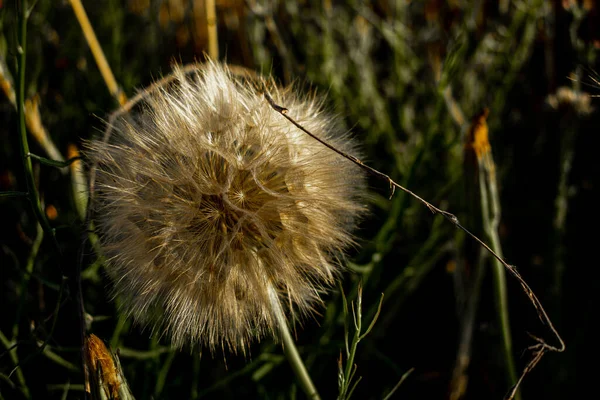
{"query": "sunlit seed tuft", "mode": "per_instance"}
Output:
(206, 197)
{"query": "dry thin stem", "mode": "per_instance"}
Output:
(92, 40)
(541, 347)
(211, 25)
(33, 118)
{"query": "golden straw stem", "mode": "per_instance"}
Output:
(92, 40)
(211, 24)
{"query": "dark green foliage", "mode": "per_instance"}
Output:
(407, 77)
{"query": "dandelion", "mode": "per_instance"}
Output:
(216, 214)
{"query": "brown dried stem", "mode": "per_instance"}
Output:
(541, 347)
(92, 40)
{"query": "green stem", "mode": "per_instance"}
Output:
(348, 372)
(12, 352)
(458, 384)
(161, 379)
(346, 380)
(12, 193)
(290, 350)
(32, 192)
(52, 356)
(491, 219)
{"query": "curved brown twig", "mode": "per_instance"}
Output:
(541, 347)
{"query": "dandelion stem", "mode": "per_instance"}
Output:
(290, 350)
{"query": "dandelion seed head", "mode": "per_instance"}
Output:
(206, 197)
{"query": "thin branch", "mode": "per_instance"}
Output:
(53, 163)
(402, 379)
(12, 193)
(541, 346)
(375, 318)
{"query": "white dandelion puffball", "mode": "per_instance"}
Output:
(207, 200)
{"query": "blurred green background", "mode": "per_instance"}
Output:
(408, 78)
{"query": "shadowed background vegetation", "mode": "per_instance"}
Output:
(410, 79)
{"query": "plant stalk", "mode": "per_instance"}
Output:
(211, 24)
(92, 40)
(32, 192)
(491, 218)
(290, 350)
